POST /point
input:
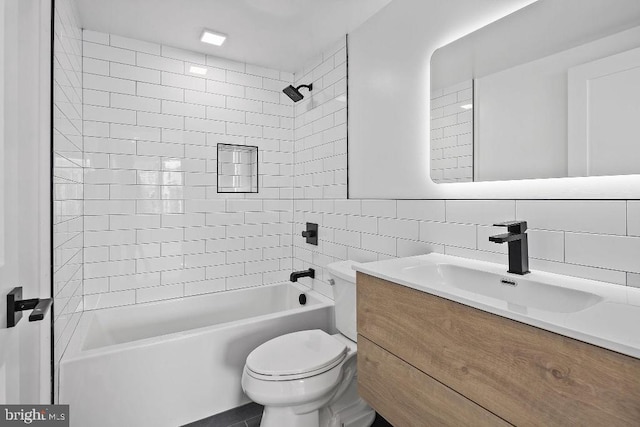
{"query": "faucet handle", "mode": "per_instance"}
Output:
(518, 227)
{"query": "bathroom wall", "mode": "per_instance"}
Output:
(321, 126)
(595, 239)
(67, 174)
(320, 149)
(155, 226)
(390, 90)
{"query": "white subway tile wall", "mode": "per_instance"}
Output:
(590, 239)
(155, 226)
(67, 175)
(452, 133)
(321, 127)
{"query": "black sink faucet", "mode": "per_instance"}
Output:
(304, 273)
(518, 245)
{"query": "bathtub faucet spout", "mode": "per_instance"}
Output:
(305, 273)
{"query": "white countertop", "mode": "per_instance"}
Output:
(612, 323)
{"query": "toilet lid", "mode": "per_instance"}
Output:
(296, 353)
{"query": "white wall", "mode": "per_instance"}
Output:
(388, 136)
(321, 126)
(389, 129)
(522, 112)
(390, 90)
(320, 158)
(154, 241)
(591, 239)
(597, 240)
(67, 174)
(155, 226)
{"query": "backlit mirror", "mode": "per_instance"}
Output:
(550, 91)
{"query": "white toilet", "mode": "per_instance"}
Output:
(308, 378)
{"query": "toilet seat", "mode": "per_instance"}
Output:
(297, 355)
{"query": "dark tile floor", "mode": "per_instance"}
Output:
(243, 416)
(250, 415)
(381, 422)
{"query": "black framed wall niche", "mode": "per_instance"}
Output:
(237, 168)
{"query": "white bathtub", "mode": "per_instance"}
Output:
(173, 362)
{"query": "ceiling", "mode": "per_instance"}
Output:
(280, 34)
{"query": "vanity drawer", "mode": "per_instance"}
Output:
(407, 397)
(524, 374)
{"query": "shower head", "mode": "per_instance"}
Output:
(294, 92)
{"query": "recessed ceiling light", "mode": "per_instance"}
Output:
(197, 70)
(466, 106)
(212, 37)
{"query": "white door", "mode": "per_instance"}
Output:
(604, 107)
(25, 255)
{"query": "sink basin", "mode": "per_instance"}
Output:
(599, 313)
(520, 293)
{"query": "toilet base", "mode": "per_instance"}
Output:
(285, 417)
(348, 411)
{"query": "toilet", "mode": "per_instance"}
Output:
(308, 378)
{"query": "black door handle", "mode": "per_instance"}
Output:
(16, 305)
(40, 310)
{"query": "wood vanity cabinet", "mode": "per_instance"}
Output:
(428, 361)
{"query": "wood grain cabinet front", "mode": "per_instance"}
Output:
(518, 373)
(408, 397)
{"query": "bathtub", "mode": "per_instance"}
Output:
(173, 362)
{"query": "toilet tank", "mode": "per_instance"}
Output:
(344, 295)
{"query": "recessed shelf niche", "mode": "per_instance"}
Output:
(237, 168)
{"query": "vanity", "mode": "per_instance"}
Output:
(449, 341)
(530, 107)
